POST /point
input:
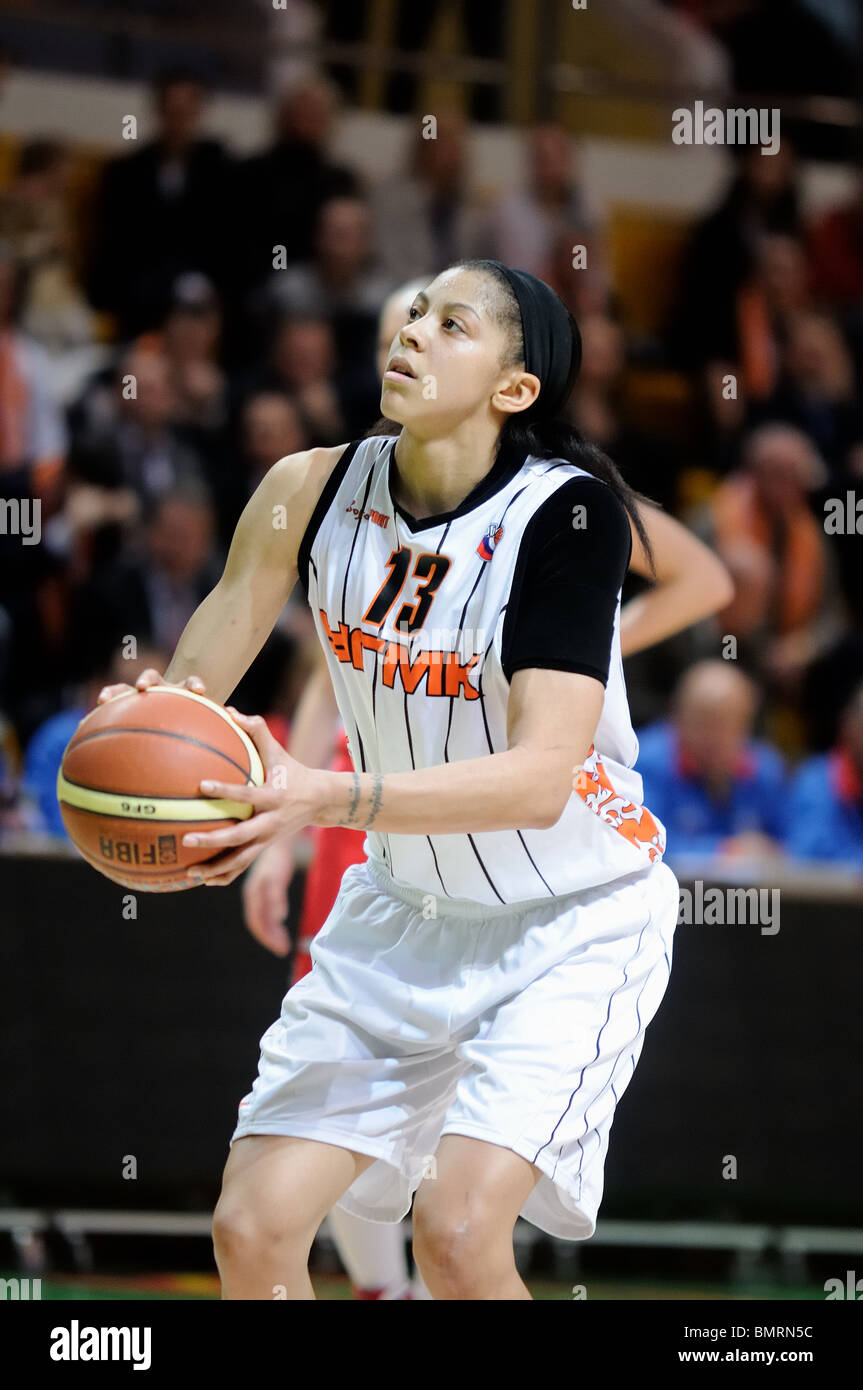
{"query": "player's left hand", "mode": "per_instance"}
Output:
(283, 805)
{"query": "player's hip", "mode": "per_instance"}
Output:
(433, 973)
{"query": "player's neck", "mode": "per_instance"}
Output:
(436, 475)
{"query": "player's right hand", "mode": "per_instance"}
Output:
(265, 896)
(148, 678)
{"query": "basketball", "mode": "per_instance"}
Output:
(128, 785)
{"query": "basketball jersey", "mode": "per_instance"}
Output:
(410, 614)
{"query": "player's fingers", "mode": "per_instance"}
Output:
(149, 677)
(109, 691)
(275, 939)
(195, 684)
(256, 727)
(226, 868)
(265, 911)
(261, 798)
(239, 833)
(265, 904)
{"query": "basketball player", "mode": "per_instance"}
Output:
(483, 983)
(690, 584)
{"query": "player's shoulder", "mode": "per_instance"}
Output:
(308, 467)
(578, 500)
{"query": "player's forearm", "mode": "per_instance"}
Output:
(220, 642)
(314, 724)
(520, 789)
(669, 608)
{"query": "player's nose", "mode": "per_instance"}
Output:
(410, 335)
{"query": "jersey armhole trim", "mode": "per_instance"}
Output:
(322, 506)
(576, 668)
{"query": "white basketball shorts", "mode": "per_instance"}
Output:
(422, 1016)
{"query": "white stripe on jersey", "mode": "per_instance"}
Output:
(434, 692)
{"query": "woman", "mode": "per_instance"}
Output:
(482, 985)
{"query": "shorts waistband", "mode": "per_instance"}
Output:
(462, 907)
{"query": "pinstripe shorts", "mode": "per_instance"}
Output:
(519, 1025)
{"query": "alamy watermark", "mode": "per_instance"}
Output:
(756, 907)
(735, 126)
(21, 516)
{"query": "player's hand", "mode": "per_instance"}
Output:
(265, 896)
(148, 678)
(284, 805)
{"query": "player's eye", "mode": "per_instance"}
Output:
(454, 324)
(411, 311)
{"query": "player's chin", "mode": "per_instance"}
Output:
(392, 403)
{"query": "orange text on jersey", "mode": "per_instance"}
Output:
(443, 673)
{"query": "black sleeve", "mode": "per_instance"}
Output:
(567, 579)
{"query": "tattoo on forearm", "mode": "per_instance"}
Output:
(355, 800)
(377, 793)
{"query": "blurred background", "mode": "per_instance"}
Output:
(156, 162)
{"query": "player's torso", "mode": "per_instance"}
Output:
(411, 619)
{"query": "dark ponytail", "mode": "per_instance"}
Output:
(558, 439)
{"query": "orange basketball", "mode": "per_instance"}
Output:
(128, 786)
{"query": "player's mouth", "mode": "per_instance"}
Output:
(399, 369)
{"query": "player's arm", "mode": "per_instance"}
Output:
(265, 886)
(228, 629)
(551, 720)
(315, 723)
(555, 651)
(690, 583)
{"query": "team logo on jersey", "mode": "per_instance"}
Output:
(379, 518)
(633, 822)
(438, 673)
(485, 549)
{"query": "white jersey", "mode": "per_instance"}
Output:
(410, 615)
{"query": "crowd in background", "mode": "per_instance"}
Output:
(226, 314)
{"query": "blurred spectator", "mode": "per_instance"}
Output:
(764, 531)
(526, 224)
(835, 250)
(34, 219)
(649, 465)
(577, 270)
(424, 217)
(282, 190)
(136, 414)
(302, 362)
(835, 247)
(716, 789)
(48, 744)
(189, 341)
(32, 430)
(152, 594)
(341, 283)
(98, 511)
(723, 252)
(815, 389)
(825, 806)
(270, 428)
(161, 211)
(765, 306)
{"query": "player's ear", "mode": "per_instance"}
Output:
(517, 393)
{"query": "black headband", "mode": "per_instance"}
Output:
(552, 350)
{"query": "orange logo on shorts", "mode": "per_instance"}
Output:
(633, 822)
